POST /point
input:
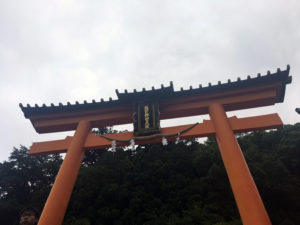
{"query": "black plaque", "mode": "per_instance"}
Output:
(146, 118)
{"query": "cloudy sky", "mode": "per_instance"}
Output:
(58, 51)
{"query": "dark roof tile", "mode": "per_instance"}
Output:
(158, 94)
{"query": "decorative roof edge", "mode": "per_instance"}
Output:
(127, 97)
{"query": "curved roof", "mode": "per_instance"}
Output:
(161, 93)
(166, 96)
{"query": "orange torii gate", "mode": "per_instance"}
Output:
(214, 100)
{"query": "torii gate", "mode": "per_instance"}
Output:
(214, 100)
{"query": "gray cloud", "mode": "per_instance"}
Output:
(59, 51)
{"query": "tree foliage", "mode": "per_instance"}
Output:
(184, 183)
(25, 181)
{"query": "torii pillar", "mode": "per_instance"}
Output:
(246, 195)
(57, 202)
(214, 100)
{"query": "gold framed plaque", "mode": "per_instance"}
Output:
(146, 118)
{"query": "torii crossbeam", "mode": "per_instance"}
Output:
(214, 100)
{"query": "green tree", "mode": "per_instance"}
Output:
(184, 183)
(25, 181)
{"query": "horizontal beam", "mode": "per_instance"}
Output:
(95, 142)
(181, 107)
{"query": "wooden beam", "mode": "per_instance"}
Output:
(184, 106)
(204, 129)
(181, 107)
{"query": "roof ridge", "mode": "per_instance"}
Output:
(159, 93)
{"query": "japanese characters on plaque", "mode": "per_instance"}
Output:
(146, 118)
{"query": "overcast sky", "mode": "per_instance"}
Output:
(59, 51)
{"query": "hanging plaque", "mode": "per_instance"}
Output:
(146, 118)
